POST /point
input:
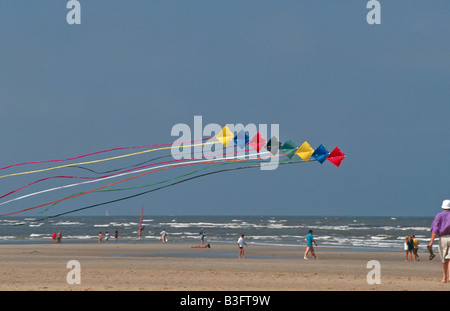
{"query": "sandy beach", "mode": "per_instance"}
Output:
(155, 267)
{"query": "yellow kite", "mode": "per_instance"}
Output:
(305, 151)
(225, 136)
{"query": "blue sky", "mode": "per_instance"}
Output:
(133, 69)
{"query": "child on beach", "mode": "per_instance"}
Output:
(416, 248)
(241, 243)
(309, 247)
(163, 236)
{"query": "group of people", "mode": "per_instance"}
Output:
(107, 236)
(411, 247)
(241, 243)
(309, 246)
(440, 228)
(57, 237)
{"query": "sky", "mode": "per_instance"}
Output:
(132, 70)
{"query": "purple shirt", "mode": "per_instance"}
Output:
(441, 223)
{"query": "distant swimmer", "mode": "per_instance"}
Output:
(163, 236)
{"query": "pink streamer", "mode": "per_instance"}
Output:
(99, 177)
(103, 151)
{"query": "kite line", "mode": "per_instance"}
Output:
(160, 188)
(98, 152)
(275, 149)
(101, 160)
(177, 177)
(115, 183)
(91, 180)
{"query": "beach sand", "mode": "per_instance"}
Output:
(144, 266)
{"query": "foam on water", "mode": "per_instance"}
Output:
(353, 232)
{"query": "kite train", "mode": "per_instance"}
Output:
(247, 153)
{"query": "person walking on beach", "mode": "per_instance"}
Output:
(440, 227)
(100, 237)
(415, 248)
(202, 237)
(163, 236)
(116, 235)
(309, 245)
(106, 236)
(54, 237)
(406, 248)
(241, 243)
(410, 247)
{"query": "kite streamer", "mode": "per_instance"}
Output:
(101, 160)
(119, 169)
(162, 187)
(170, 179)
(98, 152)
(127, 179)
(93, 179)
(274, 149)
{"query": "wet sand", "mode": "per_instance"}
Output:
(155, 267)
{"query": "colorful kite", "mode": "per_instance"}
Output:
(258, 142)
(275, 150)
(305, 151)
(225, 136)
(273, 145)
(289, 148)
(336, 156)
(320, 154)
(241, 139)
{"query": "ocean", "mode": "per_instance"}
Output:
(349, 232)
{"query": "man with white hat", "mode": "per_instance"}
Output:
(441, 228)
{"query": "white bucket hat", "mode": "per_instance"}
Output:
(446, 204)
